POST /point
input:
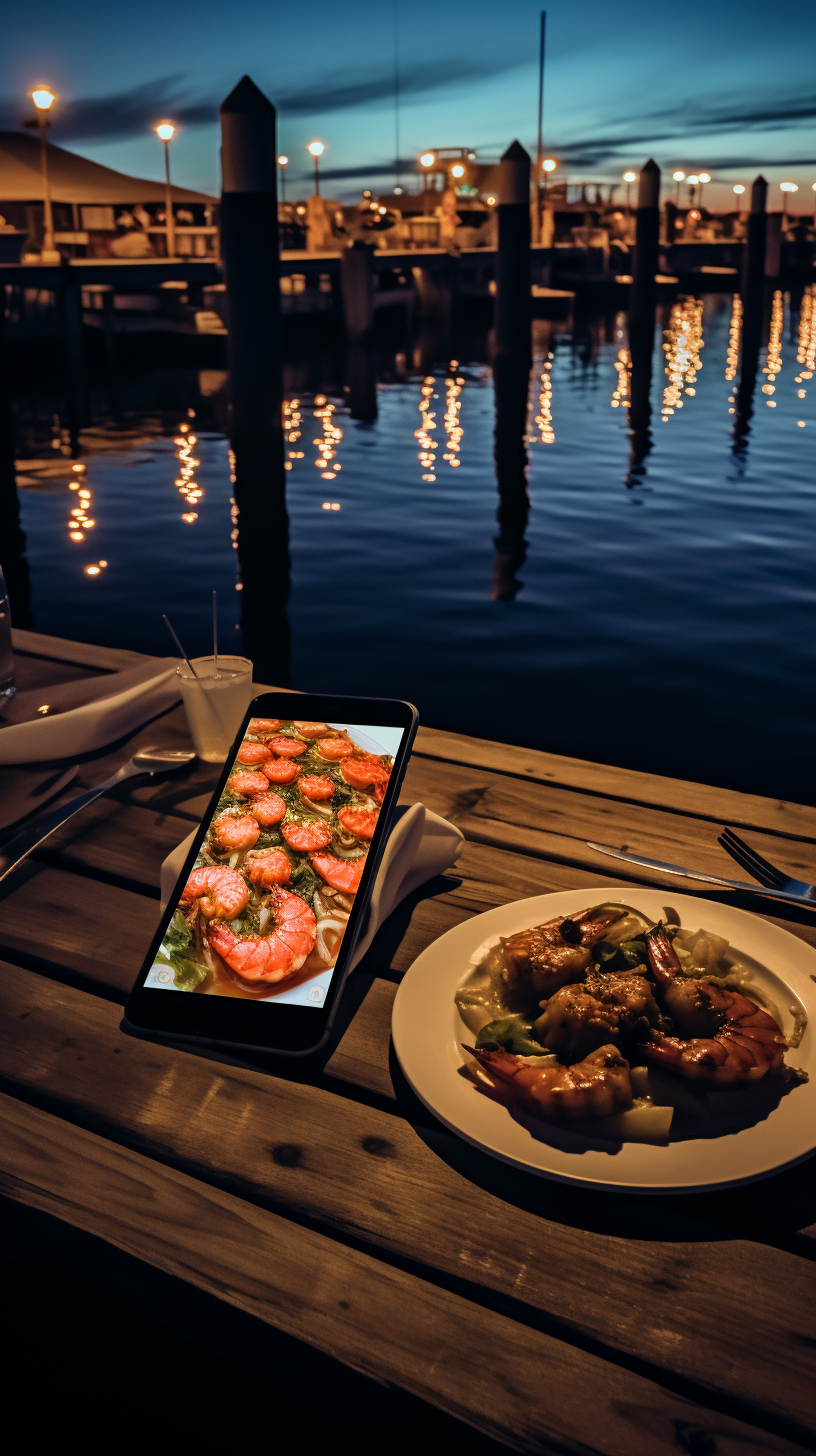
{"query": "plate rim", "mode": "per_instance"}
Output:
(575, 1179)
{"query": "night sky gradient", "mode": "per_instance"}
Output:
(728, 87)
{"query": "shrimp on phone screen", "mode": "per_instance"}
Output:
(723, 1038)
(248, 783)
(340, 874)
(217, 892)
(279, 950)
(359, 822)
(267, 808)
(267, 867)
(232, 833)
(592, 1088)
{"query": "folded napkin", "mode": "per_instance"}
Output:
(420, 845)
(88, 714)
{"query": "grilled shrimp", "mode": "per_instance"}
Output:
(248, 784)
(316, 787)
(219, 892)
(268, 809)
(260, 726)
(342, 874)
(280, 770)
(360, 822)
(335, 749)
(365, 771)
(536, 962)
(287, 747)
(605, 1009)
(277, 954)
(312, 730)
(267, 867)
(234, 832)
(251, 753)
(592, 1088)
(725, 1038)
(306, 836)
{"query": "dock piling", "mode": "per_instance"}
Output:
(647, 244)
(357, 289)
(753, 299)
(249, 247)
(513, 308)
(77, 397)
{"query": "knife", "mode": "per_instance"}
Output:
(672, 869)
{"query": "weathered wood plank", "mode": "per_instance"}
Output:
(361, 1171)
(523, 1387)
(727, 806)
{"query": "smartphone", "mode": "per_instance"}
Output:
(256, 941)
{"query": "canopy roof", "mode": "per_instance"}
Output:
(72, 178)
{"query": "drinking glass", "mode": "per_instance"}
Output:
(215, 702)
(7, 687)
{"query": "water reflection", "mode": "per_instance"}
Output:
(424, 435)
(773, 360)
(806, 341)
(453, 409)
(544, 418)
(622, 397)
(682, 343)
(734, 332)
(188, 487)
(511, 381)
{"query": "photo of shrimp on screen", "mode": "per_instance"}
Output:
(265, 908)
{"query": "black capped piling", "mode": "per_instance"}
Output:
(753, 299)
(643, 295)
(249, 231)
(513, 310)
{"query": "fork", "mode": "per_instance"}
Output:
(762, 869)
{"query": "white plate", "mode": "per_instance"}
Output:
(428, 1032)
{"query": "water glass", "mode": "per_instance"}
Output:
(215, 702)
(7, 687)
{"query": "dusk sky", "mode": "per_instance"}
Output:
(727, 86)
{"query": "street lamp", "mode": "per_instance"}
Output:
(317, 149)
(693, 182)
(44, 99)
(547, 166)
(283, 163)
(427, 159)
(678, 178)
(787, 187)
(629, 178)
(165, 131)
(704, 177)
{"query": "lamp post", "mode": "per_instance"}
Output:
(44, 99)
(165, 131)
(693, 183)
(547, 166)
(704, 177)
(317, 149)
(426, 160)
(678, 178)
(283, 163)
(739, 191)
(629, 178)
(786, 188)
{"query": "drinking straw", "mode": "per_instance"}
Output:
(215, 632)
(171, 629)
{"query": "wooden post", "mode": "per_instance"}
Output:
(513, 310)
(249, 247)
(511, 381)
(753, 298)
(357, 288)
(647, 243)
(361, 381)
(77, 397)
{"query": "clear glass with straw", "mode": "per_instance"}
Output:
(216, 692)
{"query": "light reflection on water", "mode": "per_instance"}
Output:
(662, 622)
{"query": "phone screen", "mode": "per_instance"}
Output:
(264, 910)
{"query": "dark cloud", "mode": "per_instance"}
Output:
(130, 113)
(414, 80)
(123, 113)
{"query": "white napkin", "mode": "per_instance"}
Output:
(420, 845)
(85, 722)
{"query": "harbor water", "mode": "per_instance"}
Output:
(651, 606)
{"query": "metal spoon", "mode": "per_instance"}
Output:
(146, 761)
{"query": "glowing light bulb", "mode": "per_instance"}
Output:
(43, 98)
(165, 131)
(316, 148)
(427, 159)
(458, 170)
(678, 176)
(629, 177)
(549, 164)
(739, 189)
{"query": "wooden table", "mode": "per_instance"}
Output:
(330, 1205)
